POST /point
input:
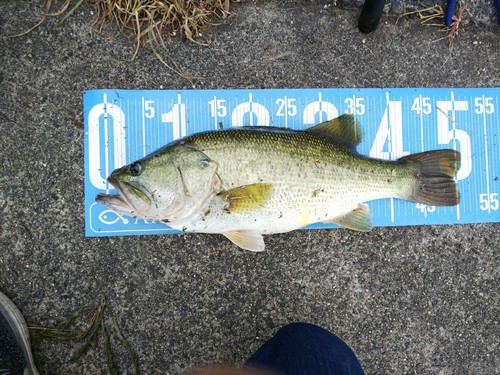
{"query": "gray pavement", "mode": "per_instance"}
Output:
(409, 300)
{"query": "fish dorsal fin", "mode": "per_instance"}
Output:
(358, 219)
(247, 197)
(345, 129)
(246, 239)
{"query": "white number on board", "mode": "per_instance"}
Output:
(247, 112)
(355, 105)
(489, 202)
(448, 133)
(149, 110)
(422, 105)
(424, 208)
(322, 109)
(484, 105)
(176, 117)
(218, 107)
(286, 107)
(99, 137)
(390, 132)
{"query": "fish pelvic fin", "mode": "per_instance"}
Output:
(246, 239)
(344, 129)
(435, 177)
(247, 197)
(358, 219)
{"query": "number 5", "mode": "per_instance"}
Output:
(447, 135)
(149, 110)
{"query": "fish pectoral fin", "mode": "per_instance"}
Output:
(358, 219)
(247, 197)
(344, 129)
(246, 239)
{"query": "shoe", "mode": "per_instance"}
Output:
(370, 15)
(15, 349)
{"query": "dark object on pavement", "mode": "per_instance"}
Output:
(304, 349)
(370, 15)
(448, 15)
(498, 11)
(15, 348)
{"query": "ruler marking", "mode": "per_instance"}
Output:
(454, 127)
(214, 108)
(422, 142)
(486, 154)
(389, 143)
(106, 140)
(497, 159)
(143, 127)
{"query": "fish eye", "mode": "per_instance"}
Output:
(204, 162)
(135, 169)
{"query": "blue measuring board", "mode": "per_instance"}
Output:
(122, 126)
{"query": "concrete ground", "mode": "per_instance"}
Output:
(409, 300)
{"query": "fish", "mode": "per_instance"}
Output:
(247, 182)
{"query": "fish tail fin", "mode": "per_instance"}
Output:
(434, 177)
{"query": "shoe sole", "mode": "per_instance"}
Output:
(20, 329)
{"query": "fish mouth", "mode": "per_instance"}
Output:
(131, 199)
(116, 203)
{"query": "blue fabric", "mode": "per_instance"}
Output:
(305, 349)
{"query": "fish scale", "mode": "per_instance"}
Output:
(308, 172)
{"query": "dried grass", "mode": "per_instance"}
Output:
(435, 15)
(147, 22)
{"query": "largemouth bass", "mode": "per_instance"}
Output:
(249, 181)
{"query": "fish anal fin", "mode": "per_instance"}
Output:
(246, 239)
(358, 219)
(344, 129)
(247, 197)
